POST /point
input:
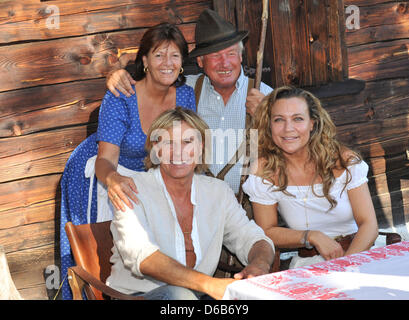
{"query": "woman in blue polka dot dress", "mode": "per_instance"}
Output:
(117, 148)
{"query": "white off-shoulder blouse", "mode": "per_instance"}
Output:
(307, 211)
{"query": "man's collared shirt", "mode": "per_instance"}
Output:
(227, 123)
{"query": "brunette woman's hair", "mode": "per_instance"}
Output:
(152, 39)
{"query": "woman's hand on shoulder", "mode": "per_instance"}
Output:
(120, 190)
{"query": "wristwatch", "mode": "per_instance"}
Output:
(304, 240)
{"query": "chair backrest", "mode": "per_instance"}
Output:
(91, 246)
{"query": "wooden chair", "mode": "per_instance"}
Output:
(91, 246)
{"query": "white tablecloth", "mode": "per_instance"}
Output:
(377, 274)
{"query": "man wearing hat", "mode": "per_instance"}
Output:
(221, 92)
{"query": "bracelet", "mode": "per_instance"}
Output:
(305, 241)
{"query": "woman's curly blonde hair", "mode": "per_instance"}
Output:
(323, 148)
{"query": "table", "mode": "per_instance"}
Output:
(377, 274)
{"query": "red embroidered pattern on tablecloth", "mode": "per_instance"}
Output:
(285, 283)
(398, 249)
(310, 291)
(270, 280)
(299, 290)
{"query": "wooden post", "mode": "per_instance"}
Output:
(260, 52)
(8, 290)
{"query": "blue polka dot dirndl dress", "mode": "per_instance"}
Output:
(119, 124)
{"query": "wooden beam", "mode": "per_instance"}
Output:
(380, 60)
(29, 20)
(41, 153)
(339, 88)
(64, 60)
(28, 236)
(380, 22)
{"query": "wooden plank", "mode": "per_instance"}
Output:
(386, 21)
(65, 140)
(31, 21)
(73, 113)
(336, 58)
(39, 154)
(383, 200)
(301, 30)
(334, 89)
(38, 212)
(373, 131)
(386, 216)
(281, 38)
(28, 236)
(379, 100)
(45, 107)
(63, 60)
(21, 261)
(318, 33)
(380, 60)
(393, 180)
(23, 193)
(27, 266)
(37, 292)
(394, 145)
(225, 9)
(381, 165)
(365, 3)
(306, 41)
(392, 209)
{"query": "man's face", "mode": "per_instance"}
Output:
(222, 67)
(179, 150)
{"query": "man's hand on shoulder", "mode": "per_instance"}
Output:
(120, 80)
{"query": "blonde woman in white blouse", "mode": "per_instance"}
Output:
(318, 186)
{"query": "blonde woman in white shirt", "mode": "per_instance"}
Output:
(317, 185)
(168, 246)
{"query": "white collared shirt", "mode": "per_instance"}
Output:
(152, 225)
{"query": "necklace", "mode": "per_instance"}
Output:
(305, 198)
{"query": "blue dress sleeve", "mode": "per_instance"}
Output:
(113, 119)
(186, 97)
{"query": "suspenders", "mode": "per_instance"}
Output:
(242, 148)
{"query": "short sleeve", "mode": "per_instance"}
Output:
(113, 119)
(186, 97)
(260, 191)
(359, 173)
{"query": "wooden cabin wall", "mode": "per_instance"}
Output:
(52, 82)
(51, 85)
(376, 121)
